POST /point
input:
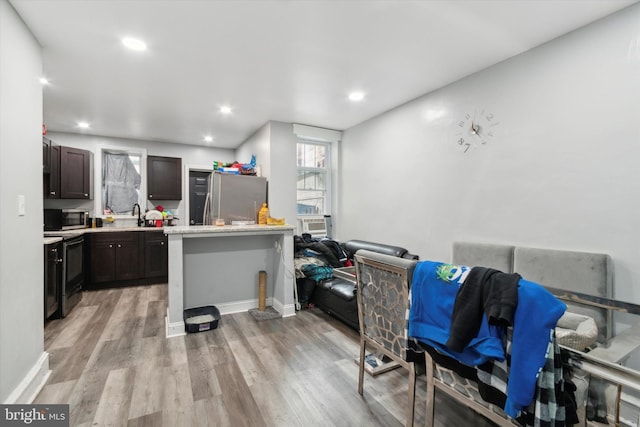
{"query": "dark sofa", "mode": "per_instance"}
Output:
(337, 296)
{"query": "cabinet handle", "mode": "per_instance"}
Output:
(110, 246)
(119, 245)
(151, 196)
(53, 193)
(162, 243)
(59, 260)
(86, 195)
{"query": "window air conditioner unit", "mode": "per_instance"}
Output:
(316, 226)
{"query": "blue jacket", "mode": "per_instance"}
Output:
(536, 316)
(433, 292)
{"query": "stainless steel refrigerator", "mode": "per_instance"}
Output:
(234, 198)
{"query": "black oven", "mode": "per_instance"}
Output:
(72, 273)
(65, 219)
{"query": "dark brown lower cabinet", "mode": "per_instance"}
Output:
(127, 258)
(155, 254)
(116, 256)
(52, 278)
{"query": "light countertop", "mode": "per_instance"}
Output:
(206, 229)
(57, 236)
(79, 231)
(52, 240)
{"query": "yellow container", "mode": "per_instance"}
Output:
(263, 214)
(275, 221)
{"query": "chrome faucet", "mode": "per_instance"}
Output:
(133, 212)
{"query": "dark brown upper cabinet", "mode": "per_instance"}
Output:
(46, 154)
(75, 173)
(67, 172)
(51, 177)
(164, 178)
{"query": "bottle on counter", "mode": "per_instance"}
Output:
(263, 214)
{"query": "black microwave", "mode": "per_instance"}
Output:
(65, 219)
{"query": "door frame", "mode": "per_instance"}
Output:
(187, 169)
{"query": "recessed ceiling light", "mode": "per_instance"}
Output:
(208, 138)
(44, 81)
(225, 109)
(134, 44)
(356, 96)
(83, 125)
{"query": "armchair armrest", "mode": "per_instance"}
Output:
(352, 246)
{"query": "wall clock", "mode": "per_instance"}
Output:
(475, 129)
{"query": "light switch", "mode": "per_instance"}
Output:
(21, 207)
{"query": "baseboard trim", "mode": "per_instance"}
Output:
(286, 310)
(32, 383)
(176, 329)
(240, 306)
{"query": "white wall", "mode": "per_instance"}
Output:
(274, 145)
(562, 172)
(284, 173)
(191, 155)
(23, 363)
(258, 144)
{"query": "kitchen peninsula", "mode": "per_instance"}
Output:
(219, 265)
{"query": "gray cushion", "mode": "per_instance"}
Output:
(473, 254)
(583, 272)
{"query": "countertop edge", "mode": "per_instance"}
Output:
(208, 229)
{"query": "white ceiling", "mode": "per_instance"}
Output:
(291, 61)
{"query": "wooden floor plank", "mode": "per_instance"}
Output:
(113, 365)
(151, 420)
(83, 402)
(211, 412)
(154, 320)
(55, 392)
(148, 389)
(68, 335)
(113, 408)
(237, 398)
(177, 402)
(204, 381)
(275, 409)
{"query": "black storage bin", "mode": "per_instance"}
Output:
(305, 286)
(200, 319)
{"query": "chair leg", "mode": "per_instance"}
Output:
(412, 394)
(431, 389)
(363, 349)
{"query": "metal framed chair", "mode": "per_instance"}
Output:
(383, 284)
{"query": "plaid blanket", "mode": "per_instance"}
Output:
(548, 406)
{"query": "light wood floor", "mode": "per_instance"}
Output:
(112, 364)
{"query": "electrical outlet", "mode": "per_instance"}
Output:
(21, 205)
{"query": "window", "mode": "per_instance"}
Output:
(314, 174)
(121, 181)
